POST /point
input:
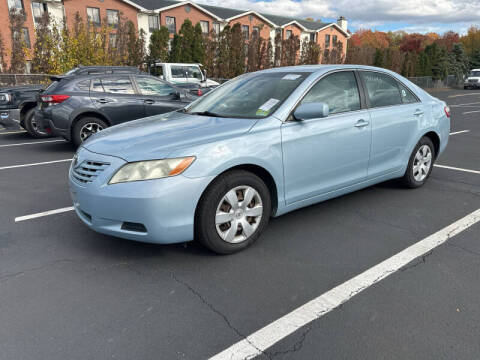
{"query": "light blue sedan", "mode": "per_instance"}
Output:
(260, 145)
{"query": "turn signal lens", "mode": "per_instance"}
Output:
(447, 111)
(152, 169)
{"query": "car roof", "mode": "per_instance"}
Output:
(105, 70)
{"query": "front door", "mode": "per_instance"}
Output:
(325, 154)
(158, 96)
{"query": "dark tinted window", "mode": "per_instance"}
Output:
(178, 71)
(338, 90)
(149, 86)
(406, 95)
(382, 89)
(83, 85)
(113, 85)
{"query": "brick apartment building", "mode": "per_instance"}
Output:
(151, 14)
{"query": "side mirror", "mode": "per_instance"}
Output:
(312, 110)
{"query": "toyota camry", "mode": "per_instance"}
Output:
(260, 145)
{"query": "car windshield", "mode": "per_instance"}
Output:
(475, 73)
(250, 96)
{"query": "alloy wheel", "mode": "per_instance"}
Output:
(238, 214)
(422, 163)
(89, 129)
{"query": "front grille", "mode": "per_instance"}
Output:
(88, 170)
(472, 80)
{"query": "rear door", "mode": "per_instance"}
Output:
(158, 97)
(116, 98)
(395, 113)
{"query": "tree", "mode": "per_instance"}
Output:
(268, 57)
(310, 53)
(18, 46)
(3, 55)
(223, 53)
(211, 53)
(475, 60)
(187, 37)
(237, 52)
(158, 47)
(459, 64)
(290, 48)
(175, 52)
(198, 44)
(43, 49)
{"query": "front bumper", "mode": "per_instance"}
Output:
(162, 210)
(10, 118)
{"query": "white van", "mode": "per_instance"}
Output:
(473, 80)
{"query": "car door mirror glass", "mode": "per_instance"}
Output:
(313, 110)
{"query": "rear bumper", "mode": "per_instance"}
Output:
(46, 125)
(10, 118)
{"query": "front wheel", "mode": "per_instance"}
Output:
(420, 164)
(30, 124)
(233, 212)
(86, 127)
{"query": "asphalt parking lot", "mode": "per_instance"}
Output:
(69, 293)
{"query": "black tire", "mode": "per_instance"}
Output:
(77, 128)
(408, 178)
(205, 226)
(30, 125)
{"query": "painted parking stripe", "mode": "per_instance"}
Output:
(457, 169)
(458, 105)
(45, 213)
(34, 164)
(470, 112)
(12, 132)
(32, 143)
(459, 132)
(264, 338)
(459, 95)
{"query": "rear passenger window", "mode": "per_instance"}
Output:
(339, 90)
(406, 95)
(382, 89)
(83, 85)
(113, 85)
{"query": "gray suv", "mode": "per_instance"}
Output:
(77, 107)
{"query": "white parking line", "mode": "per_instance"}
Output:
(42, 214)
(34, 164)
(472, 94)
(264, 338)
(457, 169)
(470, 112)
(459, 105)
(459, 132)
(32, 143)
(12, 132)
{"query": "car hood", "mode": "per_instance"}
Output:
(157, 136)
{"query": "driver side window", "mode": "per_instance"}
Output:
(338, 90)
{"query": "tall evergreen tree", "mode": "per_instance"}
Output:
(17, 59)
(198, 44)
(158, 47)
(187, 37)
(175, 51)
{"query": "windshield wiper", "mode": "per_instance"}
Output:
(206, 113)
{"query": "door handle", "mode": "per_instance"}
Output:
(418, 112)
(361, 123)
(102, 101)
(148, 101)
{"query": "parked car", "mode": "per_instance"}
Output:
(79, 106)
(17, 104)
(260, 145)
(180, 73)
(473, 80)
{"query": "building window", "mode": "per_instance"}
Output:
(112, 18)
(15, 4)
(256, 29)
(187, 8)
(312, 37)
(153, 23)
(93, 15)
(112, 41)
(204, 25)
(245, 31)
(38, 9)
(327, 40)
(26, 38)
(334, 39)
(289, 34)
(170, 23)
(216, 28)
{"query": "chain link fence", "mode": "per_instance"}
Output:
(427, 82)
(23, 79)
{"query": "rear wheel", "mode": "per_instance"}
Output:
(30, 124)
(233, 212)
(86, 127)
(420, 164)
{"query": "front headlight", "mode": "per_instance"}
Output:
(5, 97)
(151, 169)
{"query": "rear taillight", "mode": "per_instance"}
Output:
(447, 111)
(54, 99)
(199, 92)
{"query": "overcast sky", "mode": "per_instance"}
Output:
(410, 15)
